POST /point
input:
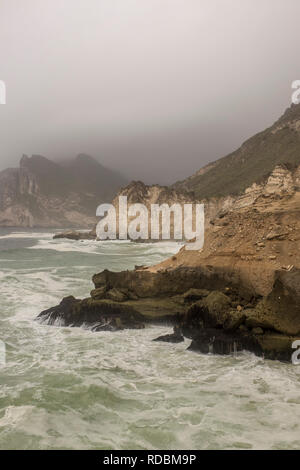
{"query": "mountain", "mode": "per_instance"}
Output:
(252, 163)
(48, 194)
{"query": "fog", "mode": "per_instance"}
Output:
(154, 88)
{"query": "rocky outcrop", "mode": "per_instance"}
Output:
(241, 291)
(227, 317)
(98, 315)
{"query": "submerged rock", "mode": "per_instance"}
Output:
(175, 337)
(217, 341)
(75, 235)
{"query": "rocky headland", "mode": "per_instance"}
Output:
(242, 290)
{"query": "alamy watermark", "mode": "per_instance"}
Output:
(296, 94)
(2, 92)
(296, 354)
(163, 222)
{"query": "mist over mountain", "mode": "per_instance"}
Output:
(252, 162)
(156, 88)
(45, 193)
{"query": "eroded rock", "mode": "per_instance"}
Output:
(95, 314)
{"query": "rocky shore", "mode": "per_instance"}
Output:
(211, 307)
(242, 290)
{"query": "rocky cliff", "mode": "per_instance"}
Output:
(47, 194)
(241, 291)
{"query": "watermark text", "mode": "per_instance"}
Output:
(162, 222)
(2, 92)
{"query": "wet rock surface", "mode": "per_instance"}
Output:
(98, 315)
(225, 320)
(76, 235)
(175, 337)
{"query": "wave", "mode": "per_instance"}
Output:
(26, 235)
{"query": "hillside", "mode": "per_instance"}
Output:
(252, 163)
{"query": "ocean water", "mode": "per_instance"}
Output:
(64, 388)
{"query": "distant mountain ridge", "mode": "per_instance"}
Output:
(252, 163)
(45, 193)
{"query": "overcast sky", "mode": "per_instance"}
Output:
(155, 88)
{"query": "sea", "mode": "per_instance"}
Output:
(71, 388)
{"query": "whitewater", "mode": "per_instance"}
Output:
(70, 388)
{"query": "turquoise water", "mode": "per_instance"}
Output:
(66, 388)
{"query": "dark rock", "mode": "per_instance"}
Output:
(216, 341)
(270, 346)
(192, 295)
(266, 326)
(172, 338)
(258, 331)
(209, 313)
(75, 235)
(233, 320)
(95, 314)
(99, 293)
(116, 295)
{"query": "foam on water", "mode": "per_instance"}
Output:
(72, 388)
(17, 235)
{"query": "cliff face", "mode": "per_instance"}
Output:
(253, 235)
(46, 194)
(281, 183)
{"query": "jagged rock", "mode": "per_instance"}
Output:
(266, 326)
(164, 283)
(95, 314)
